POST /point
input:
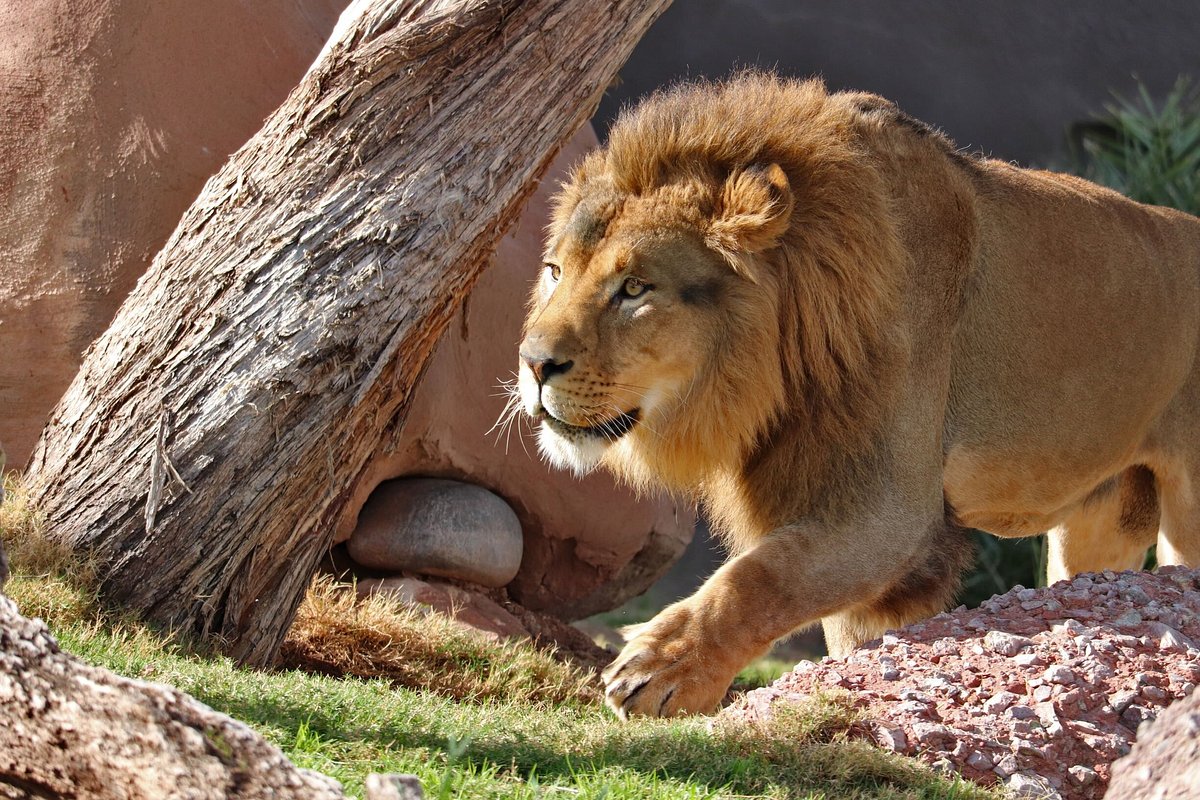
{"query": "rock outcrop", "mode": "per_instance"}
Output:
(1165, 761)
(73, 730)
(111, 119)
(1041, 689)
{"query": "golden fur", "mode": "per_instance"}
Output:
(845, 339)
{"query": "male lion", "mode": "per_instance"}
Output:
(849, 342)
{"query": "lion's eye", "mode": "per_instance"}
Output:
(633, 287)
(555, 272)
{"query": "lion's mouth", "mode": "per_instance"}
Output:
(610, 429)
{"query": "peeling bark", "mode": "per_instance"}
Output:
(215, 431)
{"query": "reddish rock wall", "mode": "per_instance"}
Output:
(112, 116)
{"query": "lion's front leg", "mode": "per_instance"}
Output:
(678, 663)
(683, 660)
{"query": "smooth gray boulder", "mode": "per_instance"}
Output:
(438, 527)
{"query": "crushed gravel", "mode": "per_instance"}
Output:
(1040, 689)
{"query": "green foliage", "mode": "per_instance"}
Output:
(1001, 564)
(1145, 150)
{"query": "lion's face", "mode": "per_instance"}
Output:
(631, 312)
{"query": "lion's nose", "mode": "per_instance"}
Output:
(544, 366)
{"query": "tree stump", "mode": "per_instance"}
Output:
(214, 432)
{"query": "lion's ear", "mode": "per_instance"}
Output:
(754, 210)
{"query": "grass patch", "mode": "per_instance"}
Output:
(471, 719)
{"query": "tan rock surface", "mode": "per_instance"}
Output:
(112, 116)
(1165, 761)
(75, 730)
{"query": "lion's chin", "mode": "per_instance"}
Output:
(580, 454)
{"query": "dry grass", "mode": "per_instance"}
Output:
(48, 578)
(31, 551)
(338, 633)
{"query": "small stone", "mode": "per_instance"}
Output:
(913, 707)
(1042, 693)
(1154, 693)
(929, 732)
(1006, 644)
(1059, 674)
(1135, 595)
(1169, 639)
(1030, 659)
(1134, 716)
(1034, 787)
(1121, 700)
(1021, 712)
(1049, 719)
(889, 674)
(1006, 766)
(997, 703)
(891, 738)
(1130, 619)
(1084, 776)
(980, 761)
(1024, 747)
(393, 786)
(1024, 594)
(1070, 626)
(439, 527)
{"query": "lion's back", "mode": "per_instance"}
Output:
(1079, 328)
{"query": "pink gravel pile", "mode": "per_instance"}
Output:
(1041, 689)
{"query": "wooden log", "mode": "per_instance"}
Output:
(216, 429)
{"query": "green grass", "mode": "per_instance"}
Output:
(348, 727)
(477, 733)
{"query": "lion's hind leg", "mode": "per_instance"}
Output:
(1111, 529)
(1179, 539)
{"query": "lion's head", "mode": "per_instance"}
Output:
(706, 275)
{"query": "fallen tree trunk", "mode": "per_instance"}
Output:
(216, 429)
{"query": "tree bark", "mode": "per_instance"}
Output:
(214, 432)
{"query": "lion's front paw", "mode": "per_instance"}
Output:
(668, 669)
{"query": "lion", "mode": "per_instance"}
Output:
(850, 343)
